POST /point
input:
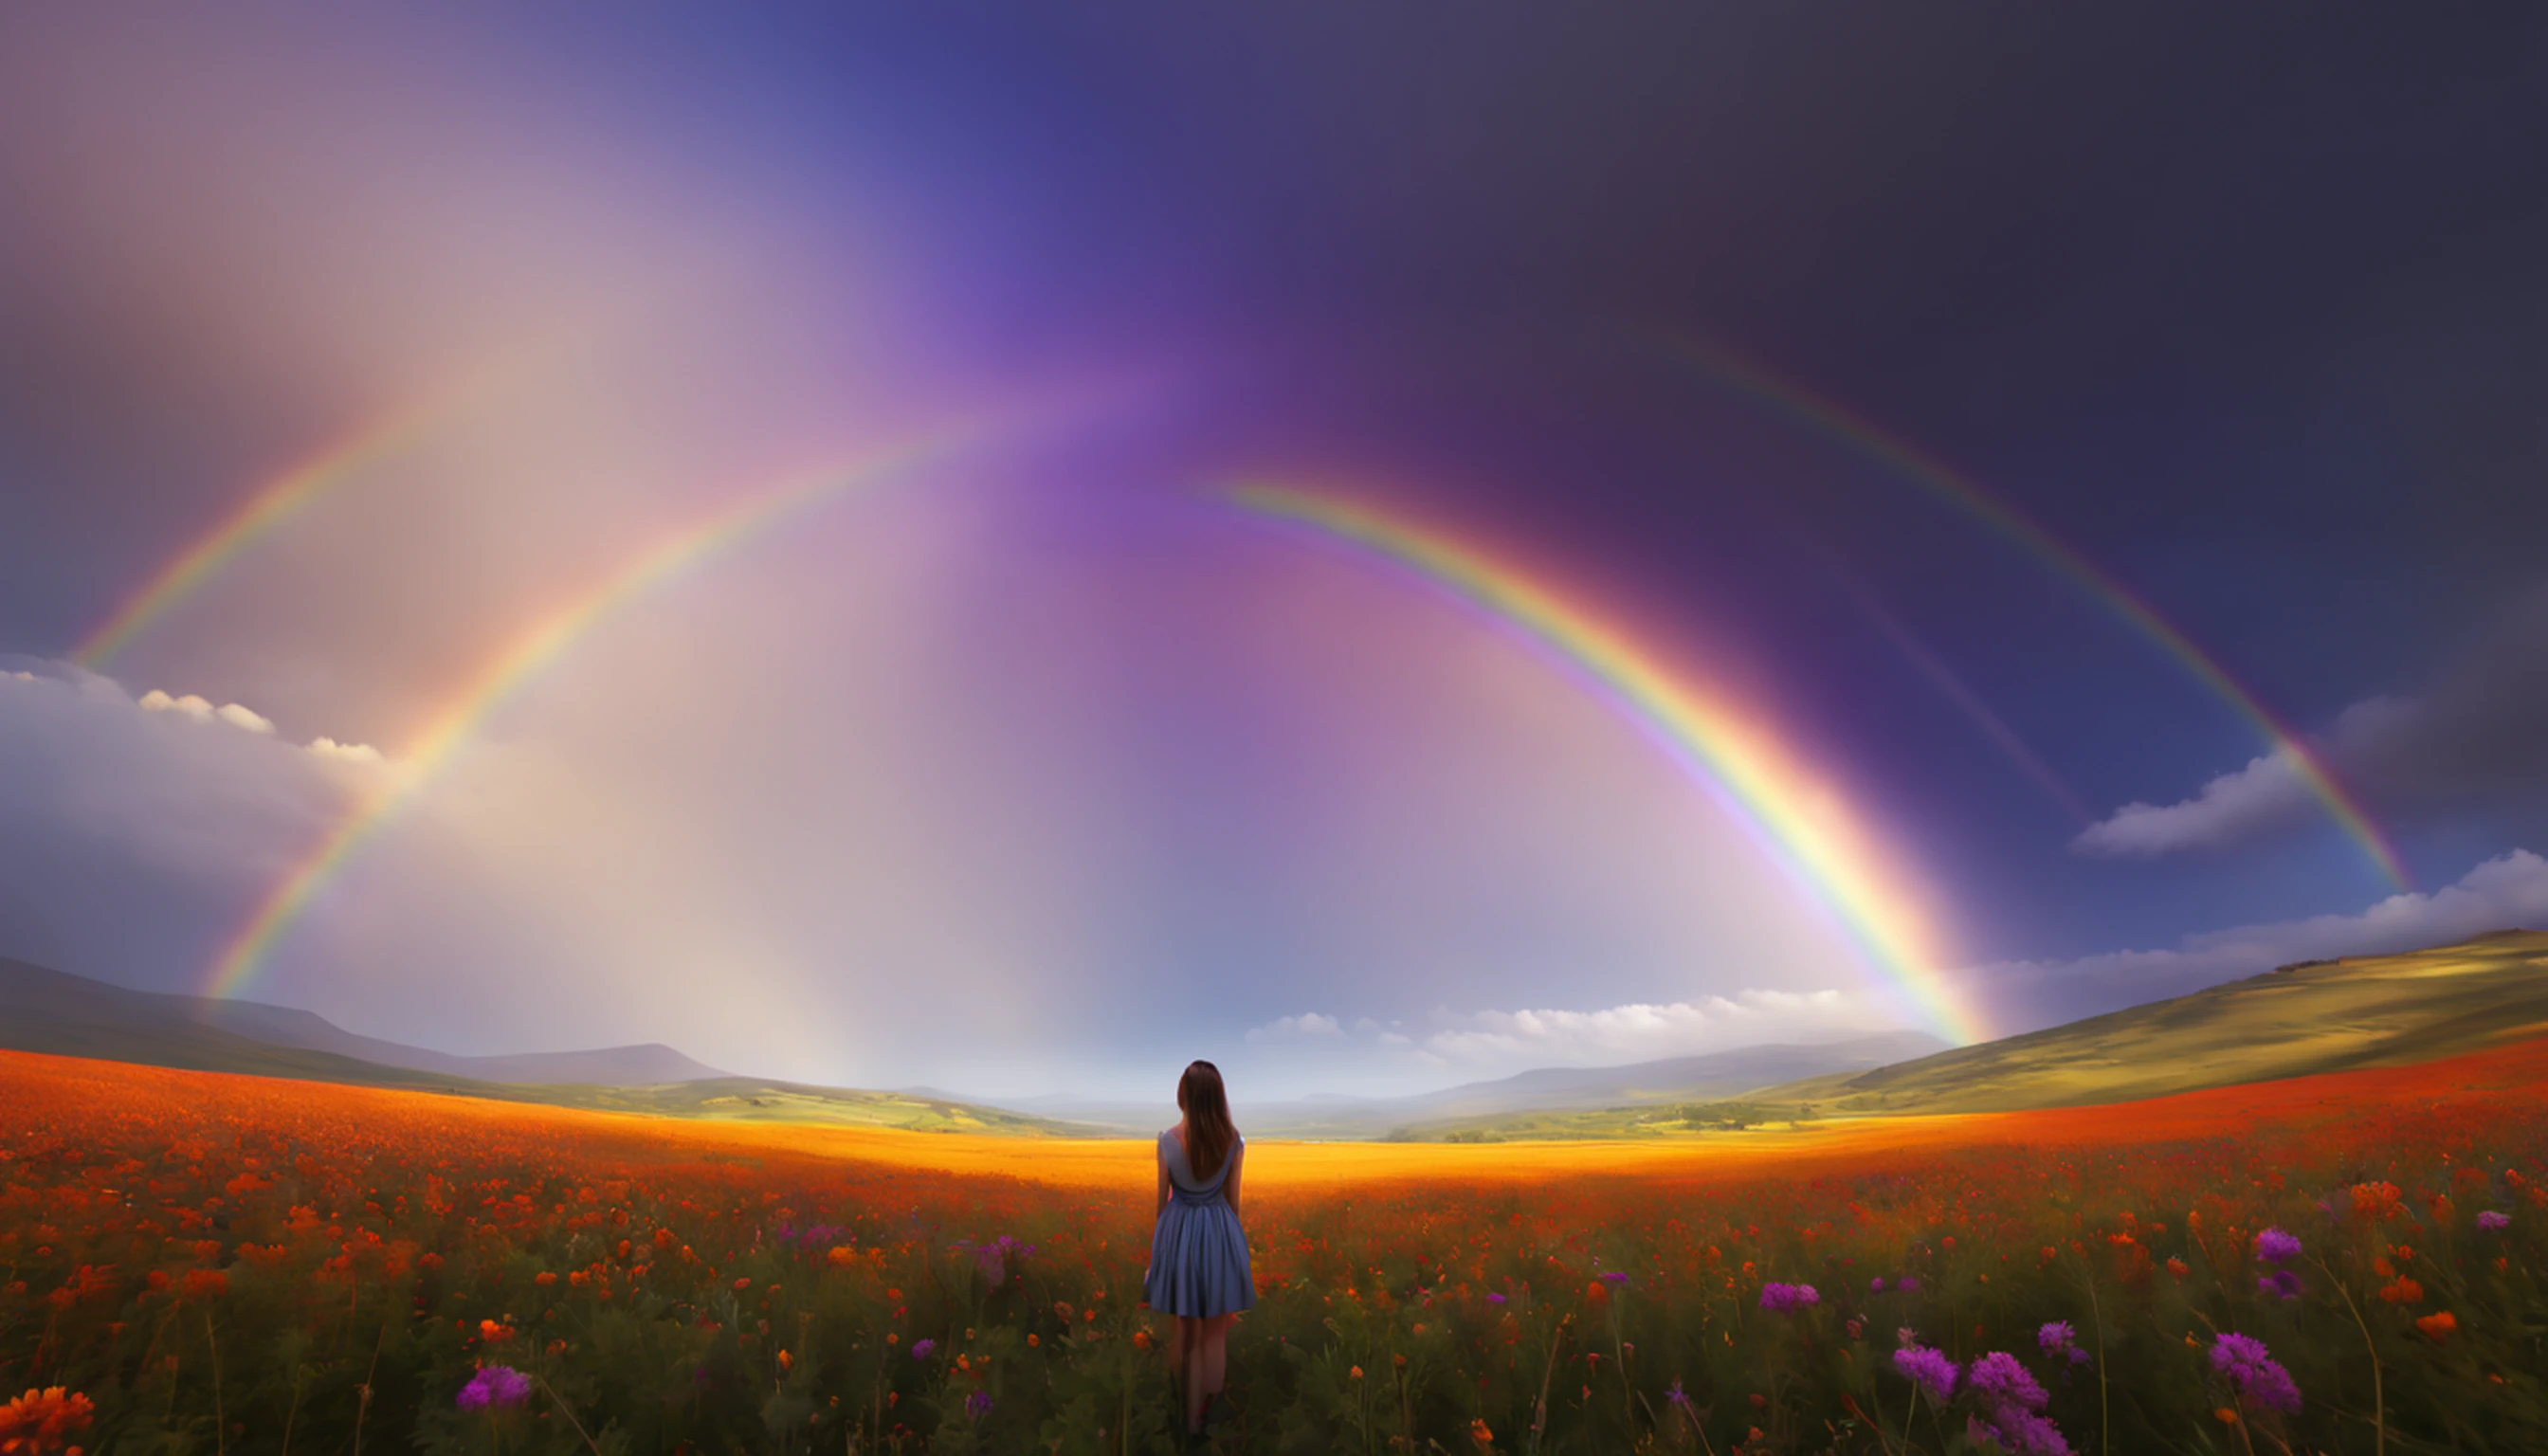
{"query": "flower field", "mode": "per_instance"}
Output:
(196, 1262)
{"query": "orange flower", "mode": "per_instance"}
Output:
(2375, 1201)
(2179, 1267)
(2437, 1326)
(39, 1421)
(1479, 1433)
(2402, 1291)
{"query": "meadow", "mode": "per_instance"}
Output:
(193, 1262)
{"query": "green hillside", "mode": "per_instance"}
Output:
(2361, 1011)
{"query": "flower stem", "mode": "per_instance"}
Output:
(2378, 1411)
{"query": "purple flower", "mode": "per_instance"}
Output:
(1614, 1276)
(1875, 1285)
(2282, 1283)
(2491, 1220)
(2021, 1433)
(1907, 1283)
(922, 1349)
(2273, 1245)
(1494, 1298)
(978, 1404)
(1787, 1299)
(1676, 1395)
(1928, 1369)
(1997, 1379)
(2010, 1398)
(494, 1385)
(2057, 1337)
(2253, 1373)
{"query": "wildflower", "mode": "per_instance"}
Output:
(1675, 1394)
(1478, 1432)
(1787, 1299)
(2437, 1326)
(2010, 1401)
(2401, 1291)
(2059, 1338)
(1614, 1276)
(2491, 1220)
(39, 1419)
(2179, 1267)
(922, 1349)
(1908, 1283)
(1494, 1299)
(1875, 1285)
(978, 1403)
(2374, 1202)
(1354, 1374)
(2282, 1283)
(2253, 1374)
(493, 1385)
(1928, 1369)
(2275, 1247)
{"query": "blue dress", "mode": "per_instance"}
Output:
(1198, 1251)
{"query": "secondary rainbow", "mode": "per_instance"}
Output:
(523, 658)
(377, 436)
(1864, 437)
(1795, 818)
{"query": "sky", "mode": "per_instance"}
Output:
(1008, 546)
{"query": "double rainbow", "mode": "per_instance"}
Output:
(1800, 822)
(523, 658)
(1899, 457)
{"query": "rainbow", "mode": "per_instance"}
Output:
(522, 659)
(1796, 820)
(370, 440)
(1899, 457)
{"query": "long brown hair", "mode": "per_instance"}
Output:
(1210, 1134)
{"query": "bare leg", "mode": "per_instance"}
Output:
(1190, 1347)
(1215, 1352)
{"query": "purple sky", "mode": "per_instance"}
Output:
(1040, 768)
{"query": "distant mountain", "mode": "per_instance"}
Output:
(43, 1009)
(1713, 1075)
(2360, 1011)
(1674, 1079)
(50, 1011)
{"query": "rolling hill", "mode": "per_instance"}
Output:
(2357, 1012)
(2361, 1011)
(51, 1011)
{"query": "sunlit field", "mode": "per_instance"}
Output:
(2338, 1263)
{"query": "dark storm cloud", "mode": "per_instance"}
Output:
(2477, 733)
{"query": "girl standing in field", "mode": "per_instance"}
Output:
(1197, 1250)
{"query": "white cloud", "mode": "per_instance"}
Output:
(2268, 790)
(240, 716)
(352, 752)
(2507, 891)
(1644, 1032)
(1307, 1024)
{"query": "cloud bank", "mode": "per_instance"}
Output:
(2481, 729)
